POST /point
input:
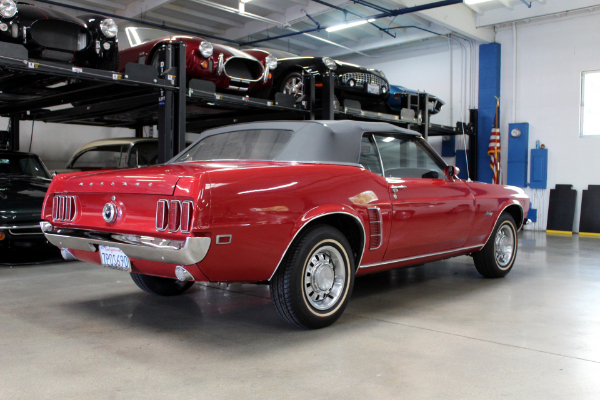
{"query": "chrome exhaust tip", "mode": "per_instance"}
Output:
(183, 274)
(67, 255)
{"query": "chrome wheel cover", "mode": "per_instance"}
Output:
(504, 246)
(324, 278)
(295, 87)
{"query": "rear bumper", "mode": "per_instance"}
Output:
(190, 251)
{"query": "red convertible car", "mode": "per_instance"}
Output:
(302, 205)
(230, 69)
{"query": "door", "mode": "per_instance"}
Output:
(430, 213)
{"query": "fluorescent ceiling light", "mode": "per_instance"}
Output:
(348, 25)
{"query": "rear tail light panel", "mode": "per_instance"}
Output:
(174, 215)
(64, 208)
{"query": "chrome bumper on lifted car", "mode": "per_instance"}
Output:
(190, 251)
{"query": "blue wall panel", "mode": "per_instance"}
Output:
(449, 146)
(489, 88)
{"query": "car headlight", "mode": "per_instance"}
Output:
(109, 28)
(271, 61)
(206, 49)
(329, 63)
(384, 89)
(8, 8)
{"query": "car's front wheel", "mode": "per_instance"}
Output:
(497, 257)
(314, 283)
(160, 286)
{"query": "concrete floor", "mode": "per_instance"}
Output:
(77, 331)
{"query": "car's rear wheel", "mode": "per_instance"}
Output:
(497, 257)
(160, 286)
(314, 283)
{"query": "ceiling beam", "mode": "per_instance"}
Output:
(507, 4)
(538, 9)
(179, 22)
(203, 15)
(475, 8)
(140, 7)
(457, 18)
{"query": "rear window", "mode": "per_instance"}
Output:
(255, 144)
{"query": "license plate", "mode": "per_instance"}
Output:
(373, 88)
(113, 257)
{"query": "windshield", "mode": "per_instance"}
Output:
(22, 164)
(137, 36)
(254, 144)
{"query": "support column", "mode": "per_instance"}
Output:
(139, 131)
(328, 96)
(179, 124)
(14, 135)
(489, 88)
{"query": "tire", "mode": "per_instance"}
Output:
(318, 261)
(160, 286)
(287, 86)
(497, 257)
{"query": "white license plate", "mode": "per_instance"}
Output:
(373, 88)
(113, 257)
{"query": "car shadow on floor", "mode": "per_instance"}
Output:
(32, 256)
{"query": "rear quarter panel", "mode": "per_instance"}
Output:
(263, 209)
(490, 202)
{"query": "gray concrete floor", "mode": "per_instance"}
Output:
(77, 331)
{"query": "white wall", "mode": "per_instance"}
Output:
(426, 67)
(551, 55)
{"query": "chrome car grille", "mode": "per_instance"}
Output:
(61, 35)
(243, 69)
(360, 78)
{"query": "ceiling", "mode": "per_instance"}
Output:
(267, 18)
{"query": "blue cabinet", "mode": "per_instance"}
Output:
(518, 146)
(538, 174)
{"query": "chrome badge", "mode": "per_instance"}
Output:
(109, 213)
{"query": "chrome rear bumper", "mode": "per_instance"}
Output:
(190, 251)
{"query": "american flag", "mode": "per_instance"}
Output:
(494, 148)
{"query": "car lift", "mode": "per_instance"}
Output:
(139, 97)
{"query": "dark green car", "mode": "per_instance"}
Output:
(24, 181)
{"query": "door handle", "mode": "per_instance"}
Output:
(396, 188)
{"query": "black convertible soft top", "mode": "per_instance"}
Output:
(318, 141)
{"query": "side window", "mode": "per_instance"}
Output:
(142, 154)
(369, 158)
(407, 157)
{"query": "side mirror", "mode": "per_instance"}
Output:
(54, 173)
(451, 171)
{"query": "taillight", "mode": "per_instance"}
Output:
(375, 228)
(174, 215)
(187, 209)
(64, 208)
(162, 215)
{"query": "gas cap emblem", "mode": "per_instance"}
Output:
(109, 213)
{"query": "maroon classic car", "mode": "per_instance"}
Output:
(229, 68)
(304, 206)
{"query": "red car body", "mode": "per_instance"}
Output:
(247, 213)
(248, 69)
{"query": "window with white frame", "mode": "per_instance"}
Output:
(590, 104)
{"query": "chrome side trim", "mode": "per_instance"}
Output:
(380, 222)
(498, 217)
(418, 257)
(364, 237)
(191, 251)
